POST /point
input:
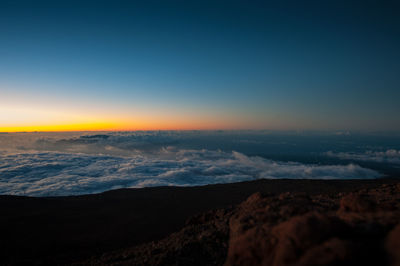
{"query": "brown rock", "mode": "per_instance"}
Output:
(334, 251)
(299, 234)
(356, 203)
(393, 246)
(286, 229)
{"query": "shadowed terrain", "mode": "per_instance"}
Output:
(119, 226)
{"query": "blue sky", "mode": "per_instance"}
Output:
(325, 65)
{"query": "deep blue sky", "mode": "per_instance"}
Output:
(326, 65)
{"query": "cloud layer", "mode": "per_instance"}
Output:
(53, 173)
(389, 156)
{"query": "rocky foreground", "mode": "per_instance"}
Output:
(340, 228)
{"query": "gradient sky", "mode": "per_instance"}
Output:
(127, 65)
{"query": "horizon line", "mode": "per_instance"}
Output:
(336, 131)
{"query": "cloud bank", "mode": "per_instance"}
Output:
(389, 156)
(55, 173)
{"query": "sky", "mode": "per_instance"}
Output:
(150, 65)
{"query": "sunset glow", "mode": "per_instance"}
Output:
(153, 67)
(122, 121)
(138, 124)
(36, 119)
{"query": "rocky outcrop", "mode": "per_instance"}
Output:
(337, 229)
(358, 228)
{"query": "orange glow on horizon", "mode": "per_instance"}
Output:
(67, 127)
(19, 118)
(127, 125)
(113, 127)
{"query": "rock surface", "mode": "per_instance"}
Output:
(361, 227)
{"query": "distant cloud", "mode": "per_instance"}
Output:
(61, 173)
(43, 164)
(388, 156)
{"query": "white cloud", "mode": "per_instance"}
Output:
(43, 164)
(388, 156)
(61, 173)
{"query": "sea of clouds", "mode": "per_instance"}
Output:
(80, 163)
(391, 156)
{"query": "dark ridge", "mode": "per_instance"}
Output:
(62, 230)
